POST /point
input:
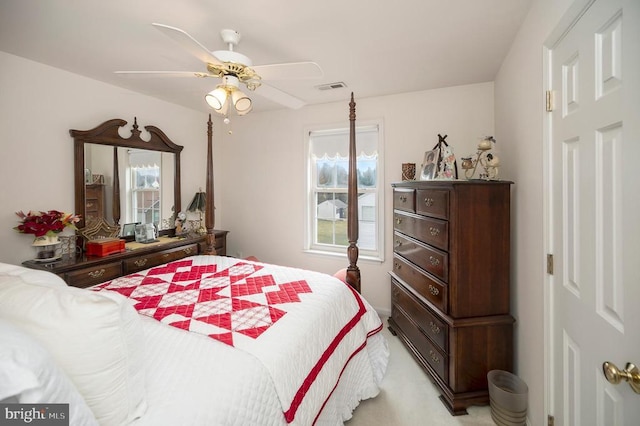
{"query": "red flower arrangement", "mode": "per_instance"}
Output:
(45, 223)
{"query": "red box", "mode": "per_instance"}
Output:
(104, 247)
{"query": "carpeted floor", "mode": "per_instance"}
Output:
(408, 397)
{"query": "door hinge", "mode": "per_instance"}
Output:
(550, 420)
(549, 100)
(550, 264)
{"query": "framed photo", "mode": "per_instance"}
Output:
(429, 167)
(145, 233)
(129, 229)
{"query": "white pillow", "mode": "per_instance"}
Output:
(28, 374)
(95, 338)
(32, 275)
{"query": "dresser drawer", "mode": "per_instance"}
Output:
(438, 361)
(429, 323)
(404, 199)
(87, 277)
(433, 202)
(432, 260)
(428, 230)
(155, 259)
(426, 286)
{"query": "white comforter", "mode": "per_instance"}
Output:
(311, 359)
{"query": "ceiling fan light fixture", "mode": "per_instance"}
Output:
(217, 98)
(241, 102)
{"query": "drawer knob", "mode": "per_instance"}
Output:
(435, 358)
(433, 290)
(434, 231)
(398, 243)
(397, 265)
(398, 221)
(166, 255)
(403, 198)
(434, 327)
(97, 274)
(140, 262)
(434, 261)
(188, 250)
(428, 202)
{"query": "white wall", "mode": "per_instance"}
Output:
(38, 106)
(519, 96)
(263, 167)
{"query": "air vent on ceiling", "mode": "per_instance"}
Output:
(331, 86)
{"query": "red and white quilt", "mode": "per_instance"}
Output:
(302, 325)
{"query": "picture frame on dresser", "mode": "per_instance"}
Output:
(129, 230)
(429, 167)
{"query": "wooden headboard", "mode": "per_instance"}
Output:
(353, 272)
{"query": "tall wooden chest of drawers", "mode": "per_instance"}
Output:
(450, 283)
(94, 207)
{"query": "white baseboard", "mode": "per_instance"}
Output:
(383, 313)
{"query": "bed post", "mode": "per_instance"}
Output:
(353, 272)
(209, 213)
(115, 208)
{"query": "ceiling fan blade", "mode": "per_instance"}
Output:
(289, 71)
(134, 74)
(188, 43)
(277, 95)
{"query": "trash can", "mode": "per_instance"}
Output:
(508, 396)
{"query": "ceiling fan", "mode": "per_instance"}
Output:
(234, 69)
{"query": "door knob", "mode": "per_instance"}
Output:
(614, 375)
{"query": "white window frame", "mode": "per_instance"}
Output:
(135, 190)
(311, 209)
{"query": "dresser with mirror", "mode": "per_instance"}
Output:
(120, 180)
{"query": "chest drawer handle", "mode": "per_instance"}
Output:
(403, 198)
(398, 221)
(434, 231)
(188, 250)
(397, 265)
(434, 357)
(434, 261)
(140, 262)
(433, 290)
(97, 274)
(428, 202)
(164, 256)
(434, 328)
(398, 243)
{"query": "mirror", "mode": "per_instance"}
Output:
(126, 180)
(146, 185)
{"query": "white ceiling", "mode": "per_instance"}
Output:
(375, 47)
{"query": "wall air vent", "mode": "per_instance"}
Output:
(331, 86)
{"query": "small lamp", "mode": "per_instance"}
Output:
(197, 205)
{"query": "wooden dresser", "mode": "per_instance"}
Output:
(450, 283)
(83, 271)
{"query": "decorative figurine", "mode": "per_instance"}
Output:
(487, 160)
(180, 223)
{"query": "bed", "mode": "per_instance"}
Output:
(203, 340)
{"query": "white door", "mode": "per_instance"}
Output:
(594, 200)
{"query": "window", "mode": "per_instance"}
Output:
(328, 171)
(145, 188)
